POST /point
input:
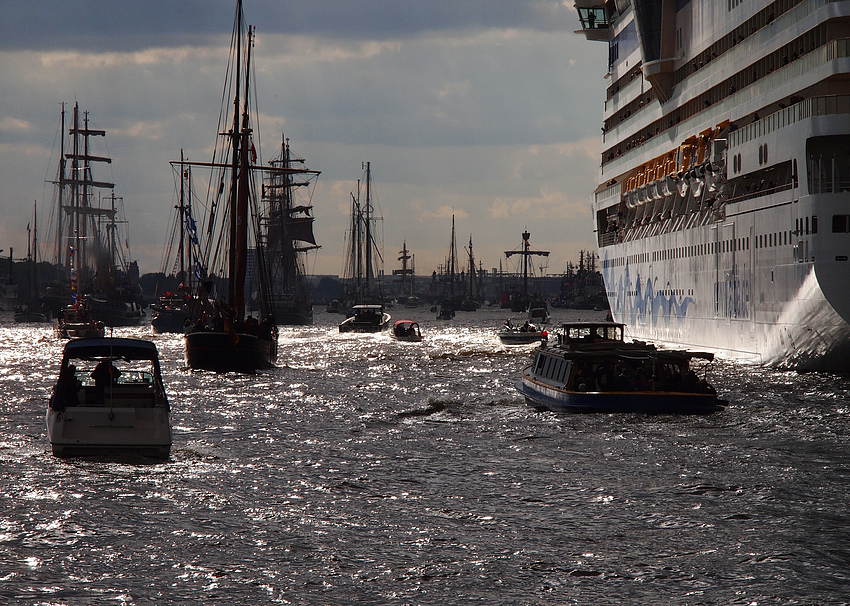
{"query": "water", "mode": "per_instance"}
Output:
(363, 470)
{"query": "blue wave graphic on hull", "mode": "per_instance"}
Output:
(647, 304)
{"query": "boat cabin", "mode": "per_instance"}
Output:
(115, 373)
(593, 357)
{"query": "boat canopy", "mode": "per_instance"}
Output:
(129, 349)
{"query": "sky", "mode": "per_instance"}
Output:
(486, 110)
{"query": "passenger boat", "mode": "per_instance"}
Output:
(366, 318)
(446, 312)
(172, 312)
(527, 333)
(76, 322)
(109, 398)
(407, 330)
(590, 368)
(721, 213)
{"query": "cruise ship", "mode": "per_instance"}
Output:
(722, 214)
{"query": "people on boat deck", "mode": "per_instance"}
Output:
(220, 322)
(67, 389)
(104, 374)
(631, 376)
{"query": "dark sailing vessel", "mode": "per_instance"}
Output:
(449, 301)
(223, 339)
(364, 298)
(289, 236)
(33, 309)
(97, 274)
(472, 301)
(519, 300)
(174, 309)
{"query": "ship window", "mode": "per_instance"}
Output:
(815, 224)
(807, 226)
(828, 162)
(840, 224)
(547, 370)
(538, 367)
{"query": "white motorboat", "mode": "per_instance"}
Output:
(524, 334)
(109, 398)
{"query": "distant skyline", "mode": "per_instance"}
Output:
(488, 111)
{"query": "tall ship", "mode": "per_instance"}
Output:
(224, 335)
(363, 292)
(288, 230)
(91, 244)
(722, 216)
(179, 302)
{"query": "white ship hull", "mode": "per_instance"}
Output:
(723, 213)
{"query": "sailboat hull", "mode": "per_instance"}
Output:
(115, 313)
(229, 352)
(293, 315)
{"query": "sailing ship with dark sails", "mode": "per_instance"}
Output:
(288, 231)
(223, 339)
(450, 301)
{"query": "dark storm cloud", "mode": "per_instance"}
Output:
(128, 25)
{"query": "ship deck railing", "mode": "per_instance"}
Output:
(805, 68)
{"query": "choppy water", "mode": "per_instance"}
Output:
(363, 470)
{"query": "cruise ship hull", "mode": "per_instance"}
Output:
(723, 211)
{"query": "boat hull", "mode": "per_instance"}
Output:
(378, 323)
(94, 430)
(544, 397)
(115, 314)
(515, 337)
(32, 316)
(169, 320)
(229, 352)
(80, 330)
(293, 316)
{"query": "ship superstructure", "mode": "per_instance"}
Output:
(723, 211)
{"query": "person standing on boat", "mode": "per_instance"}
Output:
(67, 389)
(104, 374)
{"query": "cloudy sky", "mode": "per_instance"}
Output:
(490, 110)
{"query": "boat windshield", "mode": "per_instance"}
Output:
(591, 332)
(128, 373)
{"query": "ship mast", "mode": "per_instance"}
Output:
(526, 252)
